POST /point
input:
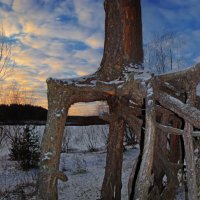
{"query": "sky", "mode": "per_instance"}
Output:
(64, 38)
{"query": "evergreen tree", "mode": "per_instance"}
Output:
(15, 148)
(25, 148)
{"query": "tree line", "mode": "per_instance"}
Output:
(17, 112)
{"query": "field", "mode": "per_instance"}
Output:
(82, 160)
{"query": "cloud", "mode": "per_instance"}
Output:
(65, 38)
(88, 14)
(174, 16)
(7, 2)
(90, 55)
(24, 6)
(95, 41)
(197, 59)
(180, 17)
(53, 38)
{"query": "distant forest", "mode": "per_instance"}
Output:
(18, 112)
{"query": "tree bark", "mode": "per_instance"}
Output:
(51, 145)
(161, 147)
(111, 187)
(175, 144)
(191, 73)
(123, 46)
(145, 172)
(188, 112)
(131, 180)
(189, 151)
(123, 38)
(169, 129)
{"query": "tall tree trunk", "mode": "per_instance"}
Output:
(51, 145)
(189, 151)
(123, 46)
(123, 37)
(111, 187)
(143, 180)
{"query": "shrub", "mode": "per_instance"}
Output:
(2, 135)
(66, 139)
(25, 148)
(90, 139)
(130, 138)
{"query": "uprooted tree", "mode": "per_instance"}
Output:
(163, 110)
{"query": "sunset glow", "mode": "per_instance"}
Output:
(65, 38)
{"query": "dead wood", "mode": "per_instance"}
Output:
(190, 113)
(111, 187)
(143, 180)
(189, 150)
(169, 129)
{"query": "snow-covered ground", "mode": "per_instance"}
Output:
(86, 183)
(84, 169)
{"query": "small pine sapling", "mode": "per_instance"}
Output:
(26, 149)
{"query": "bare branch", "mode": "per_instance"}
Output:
(196, 134)
(143, 179)
(169, 129)
(192, 72)
(6, 63)
(187, 112)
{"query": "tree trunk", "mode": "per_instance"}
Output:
(51, 146)
(123, 38)
(111, 187)
(189, 151)
(175, 144)
(123, 46)
(143, 180)
(161, 147)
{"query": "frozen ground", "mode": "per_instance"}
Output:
(85, 183)
(84, 169)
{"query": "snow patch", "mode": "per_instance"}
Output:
(169, 85)
(73, 80)
(149, 91)
(164, 180)
(132, 102)
(116, 81)
(144, 75)
(47, 156)
(137, 71)
(58, 115)
(84, 85)
(150, 102)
